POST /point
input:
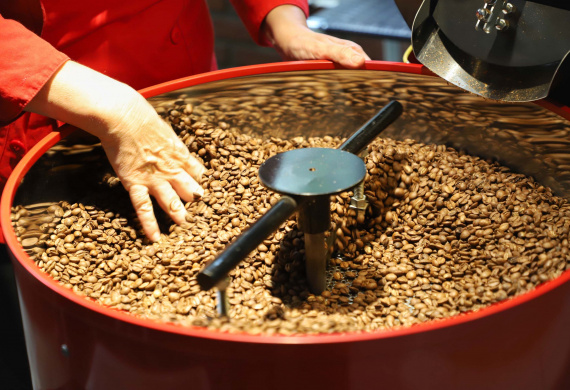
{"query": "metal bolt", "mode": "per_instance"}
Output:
(223, 305)
(64, 350)
(502, 24)
(509, 8)
(483, 14)
(358, 201)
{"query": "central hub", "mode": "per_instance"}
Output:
(311, 176)
(312, 172)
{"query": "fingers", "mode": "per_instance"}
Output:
(140, 199)
(180, 157)
(170, 202)
(168, 198)
(173, 176)
(195, 169)
(347, 53)
(187, 187)
(151, 160)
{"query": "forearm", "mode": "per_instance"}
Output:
(146, 154)
(84, 98)
(285, 27)
(282, 22)
(253, 14)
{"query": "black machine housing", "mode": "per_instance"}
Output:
(509, 50)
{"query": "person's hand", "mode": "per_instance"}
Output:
(150, 160)
(146, 154)
(286, 29)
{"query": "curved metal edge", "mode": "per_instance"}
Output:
(431, 51)
(47, 142)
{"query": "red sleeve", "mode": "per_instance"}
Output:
(253, 13)
(27, 62)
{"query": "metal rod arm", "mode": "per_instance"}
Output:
(371, 129)
(242, 246)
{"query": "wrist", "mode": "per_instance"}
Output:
(283, 21)
(84, 98)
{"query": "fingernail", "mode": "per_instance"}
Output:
(198, 192)
(155, 237)
(176, 205)
(200, 175)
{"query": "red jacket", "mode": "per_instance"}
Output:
(138, 42)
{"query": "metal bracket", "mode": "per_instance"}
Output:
(492, 14)
(358, 201)
(223, 305)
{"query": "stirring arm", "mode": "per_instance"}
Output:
(218, 268)
(246, 243)
(371, 129)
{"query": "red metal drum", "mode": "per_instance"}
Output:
(76, 343)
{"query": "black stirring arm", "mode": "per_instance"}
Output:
(218, 268)
(371, 129)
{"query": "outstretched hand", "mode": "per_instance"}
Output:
(150, 160)
(286, 29)
(146, 154)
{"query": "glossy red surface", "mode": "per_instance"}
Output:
(73, 342)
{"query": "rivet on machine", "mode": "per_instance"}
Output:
(490, 15)
(306, 178)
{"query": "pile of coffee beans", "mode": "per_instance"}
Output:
(445, 233)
